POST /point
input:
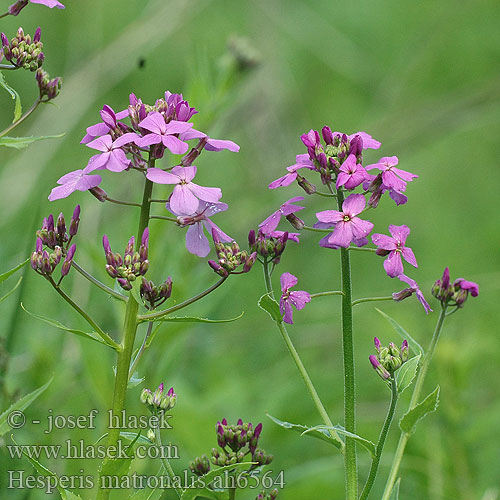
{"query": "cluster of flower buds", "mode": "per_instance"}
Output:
(389, 359)
(230, 258)
(23, 51)
(267, 246)
(154, 296)
(456, 293)
(49, 87)
(272, 495)
(133, 264)
(200, 465)
(159, 400)
(56, 233)
(45, 263)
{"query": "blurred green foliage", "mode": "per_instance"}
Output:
(422, 77)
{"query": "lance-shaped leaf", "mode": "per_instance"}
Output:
(119, 466)
(4, 276)
(65, 494)
(149, 493)
(407, 373)
(11, 291)
(194, 319)
(268, 304)
(369, 445)
(319, 433)
(88, 335)
(409, 420)
(24, 142)
(395, 490)
(417, 348)
(20, 405)
(18, 109)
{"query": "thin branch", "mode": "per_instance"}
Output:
(99, 284)
(323, 294)
(371, 299)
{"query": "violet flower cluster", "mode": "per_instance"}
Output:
(152, 131)
(337, 161)
(160, 400)
(389, 359)
(456, 293)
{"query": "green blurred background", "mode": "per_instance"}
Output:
(422, 77)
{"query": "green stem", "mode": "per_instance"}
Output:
(413, 402)
(5, 15)
(329, 195)
(120, 202)
(141, 350)
(317, 230)
(362, 249)
(371, 299)
(157, 315)
(166, 463)
(21, 119)
(381, 441)
(232, 493)
(105, 337)
(127, 345)
(350, 460)
(324, 294)
(8, 66)
(298, 362)
(97, 283)
(163, 217)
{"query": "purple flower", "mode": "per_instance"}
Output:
(212, 144)
(79, 180)
(392, 177)
(377, 366)
(112, 157)
(49, 3)
(163, 133)
(368, 141)
(186, 195)
(196, 241)
(271, 223)
(351, 174)
(469, 286)
(110, 119)
(414, 288)
(303, 161)
(279, 234)
(296, 298)
(348, 227)
(395, 248)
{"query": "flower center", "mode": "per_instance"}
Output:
(346, 218)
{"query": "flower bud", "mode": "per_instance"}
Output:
(99, 193)
(382, 372)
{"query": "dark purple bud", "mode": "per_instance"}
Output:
(108, 116)
(68, 260)
(39, 245)
(224, 421)
(327, 134)
(75, 221)
(446, 279)
(376, 341)
(257, 431)
(404, 351)
(356, 147)
(403, 294)
(218, 268)
(171, 392)
(5, 40)
(37, 35)
(322, 160)
(50, 223)
(215, 236)
(106, 245)
(99, 193)
(61, 225)
(129, 250)
(17, 7)
(382, 372)
(251, 238)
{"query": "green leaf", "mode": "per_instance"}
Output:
(322, 434)
(268, 304)
(65, 494)
(395, 490)
(203, 492)
(20, 405)
(23, 142)
(136, 291)
(369, 445)
(120, 466)
(407, 373)
(4, 276)
(11, 291)
(417, 348)
(134, 438)
(92, 335)
(195, 319)
(135, 380)
(18, 109)
(409, 420)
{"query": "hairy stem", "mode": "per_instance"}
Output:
(324, 294)
(298, 362)
(371, 299)
(22, 118)
(127, 347)
(350, 459)
(97, 283)
(105, 337)
(381, 441)
(398, 456)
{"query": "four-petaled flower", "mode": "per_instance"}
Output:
(186, 195)
(303, 161)
(414, 289)
(163, 133)
(112, 157)
(351, 174)
(392, 177)
(347, 226)
(394, 247)
(469, 286)
(268, 225)
(79, 180)
(297, 298)
(196, 241)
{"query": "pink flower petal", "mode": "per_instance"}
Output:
(287, 280)
(196, 241)
(159, 176)
(148, 140)
(205, 193)
(154, 122)
(300, 298)
(186, 174)
(409, 256)
(383, 241)
(330, 216)
(101, 144)
(284, 181)
(393, 265)
(399, 233)
(176, 146)
(183, 201)
(219, 145)
(177, 127)
(354, 204)
(342, 235)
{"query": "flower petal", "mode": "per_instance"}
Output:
(393, 265)
(183, 201)
(287, 280)
(354, 204)
(159, 176)
(176, 146)
(196, 241)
